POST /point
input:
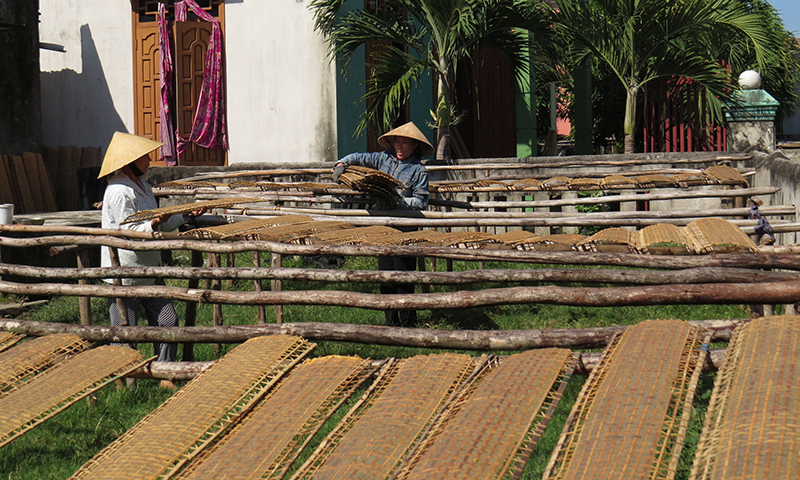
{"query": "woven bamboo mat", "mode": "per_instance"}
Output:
(353, 235)
(407, 238)
(368, 180)
(376, 434)
(630, 419)
(490, 431)
(191, 184)
(61, 386)
(616, 181)
(265, 443)
(609, 236)
(188, 208)
(294, 233)
(30, 358)
(752, 427)
(189, 420)
(661, 235)
(7, 339)
(717, 235)
(654, 180)
(515, 237)
(724, 174)
(236, 229)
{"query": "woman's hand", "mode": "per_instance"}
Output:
(155, 223)
(338, 170)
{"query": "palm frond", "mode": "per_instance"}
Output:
(394, 74)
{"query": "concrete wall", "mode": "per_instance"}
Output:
(779, 170)
(87, 92)
(281, 102)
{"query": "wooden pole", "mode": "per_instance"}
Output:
(84, 303)
(479, 340)
(258, 287)
(191, 307)
(122, 311)
(277, 286)
(216, 285)
(678, 294)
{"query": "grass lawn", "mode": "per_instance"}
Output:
(62, 444)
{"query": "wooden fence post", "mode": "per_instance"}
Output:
(277, 286)
(84, 303)
(262, 311)
(214, 260)
(191, 307)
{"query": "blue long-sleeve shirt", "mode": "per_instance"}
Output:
(411, 173)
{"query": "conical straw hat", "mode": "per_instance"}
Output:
(408, 130)
(124, 149)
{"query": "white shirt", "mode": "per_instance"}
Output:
(123, 198)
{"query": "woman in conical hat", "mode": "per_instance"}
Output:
(404, 148)
(126, 161)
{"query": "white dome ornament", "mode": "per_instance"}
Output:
(750, 80)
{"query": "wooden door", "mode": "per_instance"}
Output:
(191, 45)
(493, 108)
(147, 78)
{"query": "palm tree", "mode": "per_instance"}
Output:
(429, 36)
(644, 40)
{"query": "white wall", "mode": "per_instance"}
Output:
(87, 92)
(281, 86)
(281, 89)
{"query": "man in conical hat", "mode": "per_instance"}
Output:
(404, 148)
(126, 161)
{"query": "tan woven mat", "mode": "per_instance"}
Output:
(497, 419)
(7, 339)
(717, 235)
(27, 359)
(376, 435)
(661, 234)
(265, 443)
(242, 228)
(627, 421)
(61, 386)
(188, 208)
(752, 427)
(176, 431)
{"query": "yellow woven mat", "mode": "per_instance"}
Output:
(373, 438)
(294, 232)
(32, 357)
(183, 425)
(269, 438)
(7, 339)
(515, 237)
(372, 181)
(242, 228)
(353, 235)
(725, 174)
(499, 417)
(61, 386)
(717, 235)
(661, 234)
(752, 427)
(188, 208)
(628, 421)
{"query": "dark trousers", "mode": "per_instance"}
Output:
(398, 318)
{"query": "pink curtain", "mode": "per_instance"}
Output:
(168, 154)
(208, 126)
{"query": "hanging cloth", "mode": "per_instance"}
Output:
(168, 154)
(208, 126)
